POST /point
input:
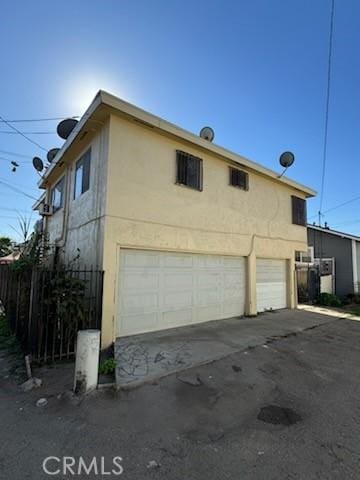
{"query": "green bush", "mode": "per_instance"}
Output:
(107, 367)
(8, 341)
(329, 300)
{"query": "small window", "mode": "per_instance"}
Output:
(298, 211)
(239, 178)
(82, 174)
(189, 170)
(57, 195)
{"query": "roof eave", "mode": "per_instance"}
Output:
(158, 123)
(70, 140)
(334, 232)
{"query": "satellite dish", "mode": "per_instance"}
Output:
(65, 127)
(38, 164)
(207, 133)
(286, 159)
(52, 154)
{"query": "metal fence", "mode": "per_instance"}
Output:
(46, 307)
(308, 283)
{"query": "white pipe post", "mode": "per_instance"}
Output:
(87, 361)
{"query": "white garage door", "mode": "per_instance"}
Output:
(159, 290)
(270, 284)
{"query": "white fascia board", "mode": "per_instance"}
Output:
(40, 200)
(82, 122)
(334, 232)
(170, 128)
(127, 109)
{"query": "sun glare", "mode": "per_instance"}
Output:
(81, 93)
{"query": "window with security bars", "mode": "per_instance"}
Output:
(239, 178)
(298, 211)
(189, 170)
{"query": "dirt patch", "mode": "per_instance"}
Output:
(279, 415)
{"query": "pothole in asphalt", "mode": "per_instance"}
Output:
(278, 415)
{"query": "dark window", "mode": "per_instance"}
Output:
(82, 174)
(298, 211)
(57, 195)
(189, 170)
(239, 178)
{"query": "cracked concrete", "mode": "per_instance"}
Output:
(145, 358)
(206, 431)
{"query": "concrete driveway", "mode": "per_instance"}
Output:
(287, 409)
(144, 358)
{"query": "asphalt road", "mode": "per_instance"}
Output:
(210, 424)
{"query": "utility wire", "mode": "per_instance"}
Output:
(343, 204)
(36, 119)
(8, 216)
(27, 133)
(331, 34)
(25, 187)
(15, 189)
(21, 162)
(22, 134)
(16, 210)
(349, 222)
(16, 154)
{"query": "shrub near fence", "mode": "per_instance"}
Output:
(46, 307)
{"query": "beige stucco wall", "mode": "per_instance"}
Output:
(78, 227)
(146, 209)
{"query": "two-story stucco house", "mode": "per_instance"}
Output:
(185, 230)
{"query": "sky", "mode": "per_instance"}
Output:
(254, 70)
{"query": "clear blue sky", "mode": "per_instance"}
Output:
(255, 70)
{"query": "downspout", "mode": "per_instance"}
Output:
(61, 240)
(355, 266)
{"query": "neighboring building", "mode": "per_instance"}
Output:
(9, 259)
(339, 255)
(185, 230)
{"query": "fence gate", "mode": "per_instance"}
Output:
(308, 283)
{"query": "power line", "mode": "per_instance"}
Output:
(343, 204)
(8, 216)
(331, 34)
(27, 133)
(36, 119)
(16, 154)
(15, 210)
(17, 161)
(22, 134)
(26, 187)
(348, 222)
(15, 189)
(335, 207)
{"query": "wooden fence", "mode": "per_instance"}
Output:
(46, 307)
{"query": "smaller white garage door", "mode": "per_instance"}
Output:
(270, 284)
(159, 290)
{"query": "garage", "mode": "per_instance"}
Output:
(271, 288)
(160, 290)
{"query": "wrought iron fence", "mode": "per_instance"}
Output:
(46, 307)
(308, 283)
